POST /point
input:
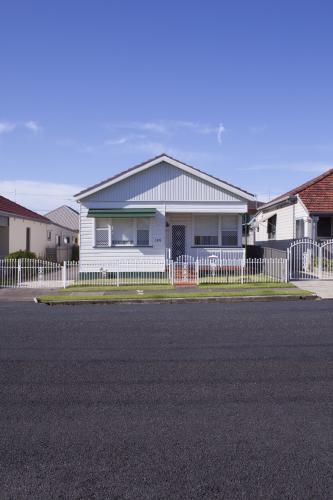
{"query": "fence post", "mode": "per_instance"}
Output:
(320, 263)
(286, 277)
(197, 272)
(19, 272)
(118, 281)
(172, 272)
(64, 274)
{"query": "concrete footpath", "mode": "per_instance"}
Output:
(24, 294)
(324, 289)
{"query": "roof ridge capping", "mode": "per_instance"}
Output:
(154, 161)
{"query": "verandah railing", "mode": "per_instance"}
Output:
(28, 273)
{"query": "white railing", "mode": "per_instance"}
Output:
(28, 273)
(242, 271)
(309, 259)
(221, 253)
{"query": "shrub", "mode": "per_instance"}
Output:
(21, 254)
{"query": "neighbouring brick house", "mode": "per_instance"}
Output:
(303, 212)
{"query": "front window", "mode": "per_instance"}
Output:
(229, 231)
(299, 228)
(122, 232)
(271, 227)
(324, 227)
(206, 230)
(142, 233)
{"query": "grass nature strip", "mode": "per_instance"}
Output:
(225, 286)
(240, 293)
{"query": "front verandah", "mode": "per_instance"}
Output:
(322, 227)
(199, 235)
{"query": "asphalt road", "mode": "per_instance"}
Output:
(190, 401)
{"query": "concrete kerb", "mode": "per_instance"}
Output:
(181, 300)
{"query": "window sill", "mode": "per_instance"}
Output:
(126, 246)
(215, 246)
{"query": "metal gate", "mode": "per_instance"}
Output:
(185, 273)
(309, 259)
(326, 260)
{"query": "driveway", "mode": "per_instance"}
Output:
(322, 288)
(204, 401)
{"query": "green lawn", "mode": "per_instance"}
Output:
(238, 293)
(217, 286)
(246, 285)
(106, 288)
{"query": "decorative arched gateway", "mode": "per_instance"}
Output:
(309, 259)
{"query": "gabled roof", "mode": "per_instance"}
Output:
(65, 216)
(316, 194)
(172, 161)
(11, 208)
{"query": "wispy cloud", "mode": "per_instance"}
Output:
(33, 126)
(39, 196)
(220, 133)
(171, 127)
(125, 139)
(291, 167)
(257, 129)
(6, 127)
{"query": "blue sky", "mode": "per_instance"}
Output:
(243, 90)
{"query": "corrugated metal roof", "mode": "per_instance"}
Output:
(65, 216)
(162, 156)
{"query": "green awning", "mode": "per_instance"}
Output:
(121, 213)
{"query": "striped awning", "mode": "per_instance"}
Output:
(121, 213)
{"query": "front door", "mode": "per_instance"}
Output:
(178, 241)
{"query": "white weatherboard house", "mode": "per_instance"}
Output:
(161, 209)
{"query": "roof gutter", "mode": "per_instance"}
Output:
(280, 203)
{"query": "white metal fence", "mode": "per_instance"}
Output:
(309, 259)
(28, 273)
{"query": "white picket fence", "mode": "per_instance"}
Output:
(28, 273)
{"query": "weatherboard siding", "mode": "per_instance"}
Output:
(90, 254)
(285, 222)
(163, 182)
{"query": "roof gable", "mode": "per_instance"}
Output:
(65, 216)
(171, 162)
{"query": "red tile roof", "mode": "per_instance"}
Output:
(13, 208)
(316, 194)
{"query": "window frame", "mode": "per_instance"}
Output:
(298, 220)
(134, 229)
(221, 228)
(271, 234)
